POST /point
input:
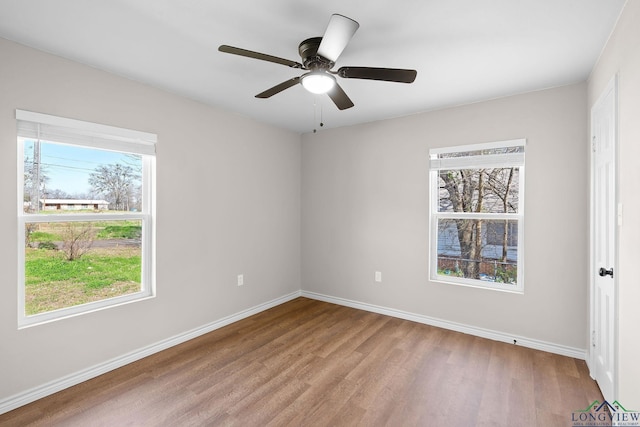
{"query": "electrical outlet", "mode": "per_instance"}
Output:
(240, 279)
(378, 277)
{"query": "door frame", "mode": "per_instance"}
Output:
(611, 86)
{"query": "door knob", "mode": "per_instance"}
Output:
(603, 272)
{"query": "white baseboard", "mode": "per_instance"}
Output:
(54, 386)
(49, 388)
(563, 350)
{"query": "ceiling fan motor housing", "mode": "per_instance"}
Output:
(308, 50)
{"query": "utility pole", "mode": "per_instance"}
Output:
(35, 190)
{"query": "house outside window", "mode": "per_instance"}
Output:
(86, 217)
(477, 215)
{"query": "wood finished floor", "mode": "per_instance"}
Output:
(312, 363)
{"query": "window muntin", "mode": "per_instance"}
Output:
(85, 212)
(477, 215)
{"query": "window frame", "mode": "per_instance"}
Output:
(476, 162)
(92, 136)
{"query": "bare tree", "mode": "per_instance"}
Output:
(29, 229)
(116, 182)
(503, 192)
(57, 194)
(461, 186)
(78, 238)
(135, 161)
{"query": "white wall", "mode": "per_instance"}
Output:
(622, 57)
(365, 207)
(228, 202)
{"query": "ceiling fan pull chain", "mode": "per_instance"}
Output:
(315, 114)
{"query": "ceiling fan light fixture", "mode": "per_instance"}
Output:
(318, 83)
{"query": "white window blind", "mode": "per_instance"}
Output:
(477, 159)
(77, 132)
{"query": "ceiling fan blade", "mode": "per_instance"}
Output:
(337, 36)
(385, 74)
(279, 88)
(257, 55)
(339, 97)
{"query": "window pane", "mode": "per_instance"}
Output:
(479, 190)
(476, 249)
(72, 263)
(61, 178)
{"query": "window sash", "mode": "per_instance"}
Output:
(147, 279)
(518, 288)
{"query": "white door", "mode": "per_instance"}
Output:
(603, 242)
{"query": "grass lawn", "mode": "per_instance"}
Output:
(50, 232)
(126, 231)
(51, 282)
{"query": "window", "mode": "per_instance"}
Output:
(477, 196)
(85, 216)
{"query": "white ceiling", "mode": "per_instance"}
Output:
(464, 50)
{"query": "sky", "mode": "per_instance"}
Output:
(68, 167)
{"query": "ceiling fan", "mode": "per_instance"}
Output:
(319, 55)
